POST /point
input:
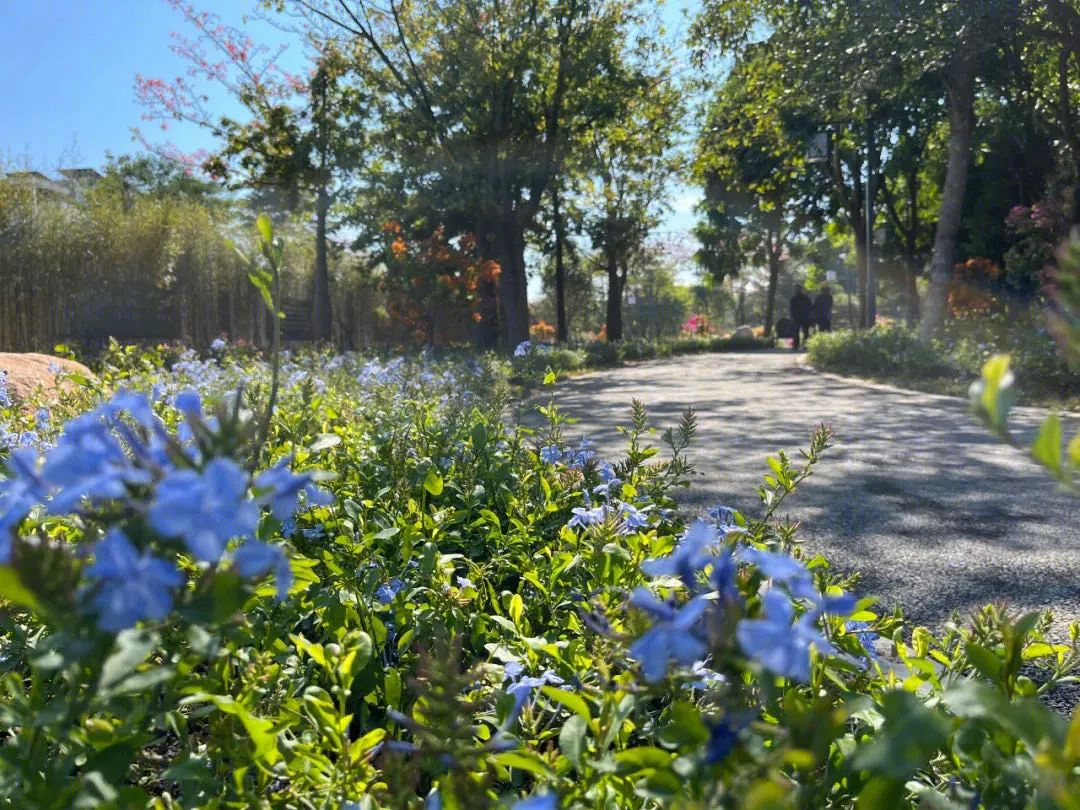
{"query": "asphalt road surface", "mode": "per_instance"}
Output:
(936, 514)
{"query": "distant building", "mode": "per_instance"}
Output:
(73, 186)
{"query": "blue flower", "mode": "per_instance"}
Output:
(722, 738)
(632, 517)
(205, 509)
(551, 454)
(723, 515)
(5, 397)
(386, 592)
(778, 644)
(781, 568)
(463, 582)
(218, 345)
(88, 462)
(604, 489)
(190, 404)
(672, 636)
(704, 676)
(546, 801)
(18, 495)
(254, 559)
(692, 554)
(584, 516)
(136, 404)
(866, 636)
(522, 686)
(522, 348)
(132, 587)
(280, 489)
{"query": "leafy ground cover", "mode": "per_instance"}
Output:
(895, 354)
(531, 360)
(388, 596)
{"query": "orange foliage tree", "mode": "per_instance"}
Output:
(434, 286)
(971, 291)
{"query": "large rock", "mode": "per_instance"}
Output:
(743, 331)
(26, 373)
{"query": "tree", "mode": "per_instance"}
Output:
(478, 99)
(300, 135)
(834, 49)
(907, 191)
(754, 176)
(630, 163)
(311, 149)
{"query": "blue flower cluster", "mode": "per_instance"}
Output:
(780, 639)
(574, 458)
(122, 456)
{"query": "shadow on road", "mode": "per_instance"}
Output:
(935, 513)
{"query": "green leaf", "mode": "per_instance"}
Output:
(132, 648)
(1073, 451)
(911, 734)
(524, 761)
(641, 758)
(686, 727)
(988, 664)
(1047, 447)
(433, 482)
(572, 739)
(515, 608)
(260, 283)
(571, 701)
(994, 395)
(12, 589)
(261, 731)
(265, 227)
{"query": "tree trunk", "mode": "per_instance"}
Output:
(961, 95)
(513, 284)
(911, 267)
(613, 326)
(561, 329)
(774, 279)
(322, 315)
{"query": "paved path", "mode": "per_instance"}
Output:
(936, 514)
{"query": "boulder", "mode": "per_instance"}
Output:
(743, 331)
(26, 373)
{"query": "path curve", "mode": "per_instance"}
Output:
(934, 513)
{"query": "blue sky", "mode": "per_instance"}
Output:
(67, 80)
(67, 76)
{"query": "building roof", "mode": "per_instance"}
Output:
(81, 175)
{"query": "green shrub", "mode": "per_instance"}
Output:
(885, 351)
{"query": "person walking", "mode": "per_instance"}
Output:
(801, 315)
(823, 309)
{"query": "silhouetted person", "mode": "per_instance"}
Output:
(823, 309)
(801, 315)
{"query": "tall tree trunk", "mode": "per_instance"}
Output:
(561, 328)
(774, 280)
(961, 95)
(513, 283)
(322, 315)
(613, 322)
(911, 273)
